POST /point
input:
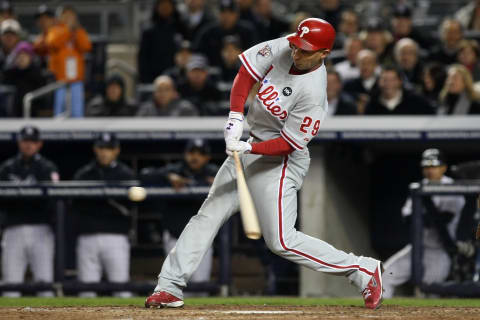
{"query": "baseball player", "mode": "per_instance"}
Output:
(290, 105)
(28, 239)
(442, 214)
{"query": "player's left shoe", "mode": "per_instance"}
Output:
(372, 294)
(162, 299)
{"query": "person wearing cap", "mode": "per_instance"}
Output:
(159, 41)
(230, 64)
(10, 32)
(166, 101)
(377, 38)
(65, 43)
(402, 27)
(209, 41)
(28, 239)
(103, 224)
(195, 170)
(44, 19)
(6, 11)
(24, 73)
(113, 102)
(199, 88)
(178, 72)
(288, 77)
(441, 214)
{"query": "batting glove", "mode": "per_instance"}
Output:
(239, 146)
(234, 127)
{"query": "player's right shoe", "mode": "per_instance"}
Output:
(162, 299)
(372, 294)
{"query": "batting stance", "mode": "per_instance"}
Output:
(441, 216)
(290, 105)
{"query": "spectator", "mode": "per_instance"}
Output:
(441, 215)
(271, 26)
(230, 62)
(468, 55)
(104, 223)
(210, 40)
(194, 171)
(201, 92)
(245, 12)
(178, 71)
(10, 37)
(66, 42)
(166, 101)
(6, 11)
(28, 239)
(433, 78)
(45, 19)
(365, 85)
(458, 96)
(407, 59)
(22, 73)
(451, 34)
(195, 16)
(376, 38)
(113, 103)
(297, 18)
(402, 26)
(469, 16)
(159, 41)
(348, 27)
(348, 68)
(393, 99)
(339, 104)
(329, 10)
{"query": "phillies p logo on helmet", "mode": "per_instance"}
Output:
(305, 30)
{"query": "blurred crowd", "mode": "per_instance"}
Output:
(187, 59)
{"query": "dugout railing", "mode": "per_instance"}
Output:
(64, 190)
(466, 188)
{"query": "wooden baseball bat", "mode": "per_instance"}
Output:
(247, 209)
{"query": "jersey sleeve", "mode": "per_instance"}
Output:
(302, 124)
(258, 59)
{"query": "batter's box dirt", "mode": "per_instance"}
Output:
(241, 312)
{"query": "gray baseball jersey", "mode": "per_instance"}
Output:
(287, 105)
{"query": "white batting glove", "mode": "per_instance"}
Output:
(234, 127)
(239, 146)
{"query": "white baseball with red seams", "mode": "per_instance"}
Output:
(287, 105)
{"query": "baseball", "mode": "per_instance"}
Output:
(137, 194)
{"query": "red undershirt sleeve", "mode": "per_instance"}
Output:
(240, 89)
(272, 147)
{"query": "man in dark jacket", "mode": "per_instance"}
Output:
(113, 103)
(158, 42)
(103, 224)
(339, 103)
(28, 238)
(394, 99)
(194, 171)
(210, 40)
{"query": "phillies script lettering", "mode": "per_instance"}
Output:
(268, 96)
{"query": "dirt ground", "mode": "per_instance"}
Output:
(240, 312)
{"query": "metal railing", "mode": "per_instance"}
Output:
(40, 92)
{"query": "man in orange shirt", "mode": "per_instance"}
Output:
(65, 42)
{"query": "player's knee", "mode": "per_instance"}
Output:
(276, 246)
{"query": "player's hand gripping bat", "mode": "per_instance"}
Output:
(247, 209)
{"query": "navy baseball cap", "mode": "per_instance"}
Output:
(29, 133)
(43, 9)
(106, 140)
(433, 158)
(402, 11)
(229, 5)
(200, 145)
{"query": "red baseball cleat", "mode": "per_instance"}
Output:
(162, 299)
(372, 294)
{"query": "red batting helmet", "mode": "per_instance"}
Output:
(313, 34)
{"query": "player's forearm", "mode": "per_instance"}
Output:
(272, 147)
(240, 89)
